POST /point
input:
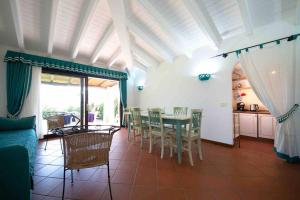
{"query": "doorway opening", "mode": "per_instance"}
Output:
(251, 119)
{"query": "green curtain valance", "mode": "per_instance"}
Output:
(51, 63)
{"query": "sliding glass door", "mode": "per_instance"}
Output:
(79, 99)
(103, 101)
(61, 96)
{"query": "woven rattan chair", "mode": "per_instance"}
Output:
(55, 123)
(193, 134)
(85, 150)
(139, 128)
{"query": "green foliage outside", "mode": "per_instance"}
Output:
(100, 111)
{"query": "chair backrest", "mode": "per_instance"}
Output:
(56, 121)
(136, 117)
(89, 149)
(155, 120)
(195, 123)
(180, 111)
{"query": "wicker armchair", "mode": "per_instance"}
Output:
(85, 150)
(55, 123)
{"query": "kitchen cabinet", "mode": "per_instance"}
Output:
(266, 126)
(248, 124)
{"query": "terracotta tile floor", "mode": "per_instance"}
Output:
(251, 172)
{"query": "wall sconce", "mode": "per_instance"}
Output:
(140, 87)
(204, 77)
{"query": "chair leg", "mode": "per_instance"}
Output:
(61, 146)
(108, 174)
(171, 148)
(190, 152)
(150, 144)
(72, 180)
(46, 143)
(162, 147)
(64, 182)
(199, 149)
(142, 138)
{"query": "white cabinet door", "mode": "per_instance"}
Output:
(248, 125)
(266, 125)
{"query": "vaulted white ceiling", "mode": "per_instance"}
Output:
(132, 33)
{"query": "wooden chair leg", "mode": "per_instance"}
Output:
(142, 138)
(162, 147)
(190, 153)
(199, 149)
(150, 144)
(171, 148)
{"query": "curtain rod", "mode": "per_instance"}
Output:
(238, 51)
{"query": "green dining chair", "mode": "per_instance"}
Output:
(193, 134)
(158, 130)
(180, 111)
(139, 128)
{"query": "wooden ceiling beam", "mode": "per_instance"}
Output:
(16, 14)
(142, 32)
(201, 16)
(115, 56)
(164, 24)
(53, 17)
(106, 35)
(85, 19)
(245, 14)
(119, 15)
(140, 65)
(144, 56)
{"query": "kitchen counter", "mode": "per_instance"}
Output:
(252, 112)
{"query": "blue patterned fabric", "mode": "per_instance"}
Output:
(26, 138)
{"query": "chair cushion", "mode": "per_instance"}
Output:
(7, 124)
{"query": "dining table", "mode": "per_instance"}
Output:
(169, 119)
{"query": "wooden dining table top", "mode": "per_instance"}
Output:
(165, 116)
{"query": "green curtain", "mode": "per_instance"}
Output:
(51, 63)
(18, 82)
(123, 96)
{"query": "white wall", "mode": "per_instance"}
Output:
(176, 84)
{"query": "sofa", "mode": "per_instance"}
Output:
(18, 144)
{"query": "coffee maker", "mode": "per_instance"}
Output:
(240, 106)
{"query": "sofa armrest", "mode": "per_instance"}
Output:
(14, 173)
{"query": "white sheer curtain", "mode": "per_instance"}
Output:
(273, 73)
(32, 104)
